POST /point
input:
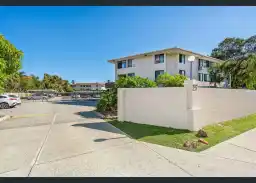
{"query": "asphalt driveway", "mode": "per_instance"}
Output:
(65, 138)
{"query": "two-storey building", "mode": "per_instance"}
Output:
(88, 86)
(173, 61)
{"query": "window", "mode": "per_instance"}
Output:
(121, 64)
(201, 62)
(131, 74)
(182, 72)
(204, 63)
(200, 76)
(159, 58)
(3, 97)
(207, 64)
(211, 78)
(13, 96)
(159, 72)
(182, 58)
(206, 77)
(130, 63)
(87, 85)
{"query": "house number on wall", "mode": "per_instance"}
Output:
(194, 87)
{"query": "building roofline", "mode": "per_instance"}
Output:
(99, 83)
(168, 50)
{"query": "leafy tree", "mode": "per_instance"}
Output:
(229, 48)
(216, 73)
(36, 82)
(240, 60)
(10, 60)
(167, 80)
(56, 83)
(67, 87)
(13, 80)
(12, 83)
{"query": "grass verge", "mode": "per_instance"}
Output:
(175, 138)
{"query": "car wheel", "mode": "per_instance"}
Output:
(4, 106)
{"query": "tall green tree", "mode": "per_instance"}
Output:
(56, 83)
(217, 74)
(12, 83)
(10, 60)
(67, 87)
(240, 60)
(228, 49)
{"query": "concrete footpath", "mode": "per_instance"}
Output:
(241, 148)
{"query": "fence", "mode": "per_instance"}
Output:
(184, 107)
(21, 95)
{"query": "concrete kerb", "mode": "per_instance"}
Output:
(5, 117)
(103, 117)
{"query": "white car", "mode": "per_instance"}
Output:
(6, 101)
(75, 96)
(18, 99)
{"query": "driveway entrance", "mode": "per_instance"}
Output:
(65, 138)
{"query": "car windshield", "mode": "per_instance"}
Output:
(37, 94)
(14, 96)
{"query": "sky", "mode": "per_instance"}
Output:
(76, 42)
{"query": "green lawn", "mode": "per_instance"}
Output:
(175, 138)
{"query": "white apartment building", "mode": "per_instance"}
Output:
(173, 61)
(88, 86)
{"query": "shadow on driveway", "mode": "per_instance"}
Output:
(80, 102)
(87, 114)
(103, 139)
(102, 126)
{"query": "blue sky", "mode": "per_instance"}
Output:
(76, 42)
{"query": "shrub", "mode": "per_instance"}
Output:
(167, 80)
(134, 82)
(108, 100)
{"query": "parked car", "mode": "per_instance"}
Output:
(38, 96)
(75, 96)
(51, 95)
(6, 101)
(18, 99)
(35, 96)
